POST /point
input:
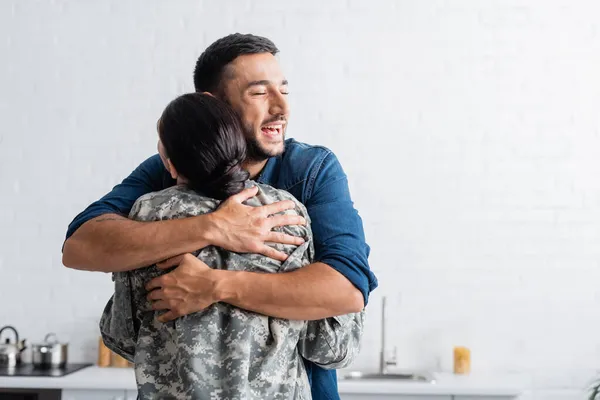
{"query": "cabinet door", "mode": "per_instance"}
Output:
(349, 396)
(87, 394)
(484, 397)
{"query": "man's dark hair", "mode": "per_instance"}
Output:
(203, 139)
(211, 64)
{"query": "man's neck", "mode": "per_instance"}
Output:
(254, 167)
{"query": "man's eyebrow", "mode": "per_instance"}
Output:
(265, 82)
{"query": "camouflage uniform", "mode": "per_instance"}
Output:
(222, 352)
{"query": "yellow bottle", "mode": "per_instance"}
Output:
(462, 360)
(118, 361)
(103, 354)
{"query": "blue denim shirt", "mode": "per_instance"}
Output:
(315, 177)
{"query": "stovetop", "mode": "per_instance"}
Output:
(29, 370)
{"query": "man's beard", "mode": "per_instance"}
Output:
(256, 152)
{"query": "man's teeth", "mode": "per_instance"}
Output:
(273, 128)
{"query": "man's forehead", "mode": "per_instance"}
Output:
(255, 67)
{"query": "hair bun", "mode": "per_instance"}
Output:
(230, 183)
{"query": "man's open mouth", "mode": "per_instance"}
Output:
(273, 130)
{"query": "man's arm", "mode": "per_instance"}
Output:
(112, 243)
(338, 284)
(313, 292)
(102, 239)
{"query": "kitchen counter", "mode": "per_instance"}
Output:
(445, 384)
(96, 378)
(88, 378)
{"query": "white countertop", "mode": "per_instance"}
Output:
(88, 378)
(446, 384)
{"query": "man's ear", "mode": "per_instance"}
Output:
(209, 93)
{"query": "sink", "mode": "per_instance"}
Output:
(385, 363)
(406, 377)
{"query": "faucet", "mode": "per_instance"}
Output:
(384, 363)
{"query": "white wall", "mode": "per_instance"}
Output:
(469, 131)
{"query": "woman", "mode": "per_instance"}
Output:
(222, 352)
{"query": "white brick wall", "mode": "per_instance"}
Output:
(469, 131)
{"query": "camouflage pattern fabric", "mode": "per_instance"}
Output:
(222, 352)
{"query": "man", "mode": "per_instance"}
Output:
(243, 71)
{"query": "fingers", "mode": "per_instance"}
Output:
(279, 237)
(285, 219)
(280, 206)
(160, 305)
(272, 253)
(170, 262)
(244, 194)
(154, 283)
(155, 295)
(168, 316)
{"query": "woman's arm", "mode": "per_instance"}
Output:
(332, 343)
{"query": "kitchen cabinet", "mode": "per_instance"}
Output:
(420, 397)
(95, 383)
(393, 397)
(89, 394)
(78, 394)
(497, 397)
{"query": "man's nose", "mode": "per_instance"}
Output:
(279, 104)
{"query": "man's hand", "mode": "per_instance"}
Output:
(245, 229)
(189, 288)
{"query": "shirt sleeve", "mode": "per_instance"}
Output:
(149, 176)
(337, 228)
(116, 324)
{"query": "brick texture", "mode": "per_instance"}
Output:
(469, 131)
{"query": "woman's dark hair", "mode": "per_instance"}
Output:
(208, 72)
(203, 139)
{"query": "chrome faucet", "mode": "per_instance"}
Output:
(384, 363)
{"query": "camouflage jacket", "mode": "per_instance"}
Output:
(222, 352)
